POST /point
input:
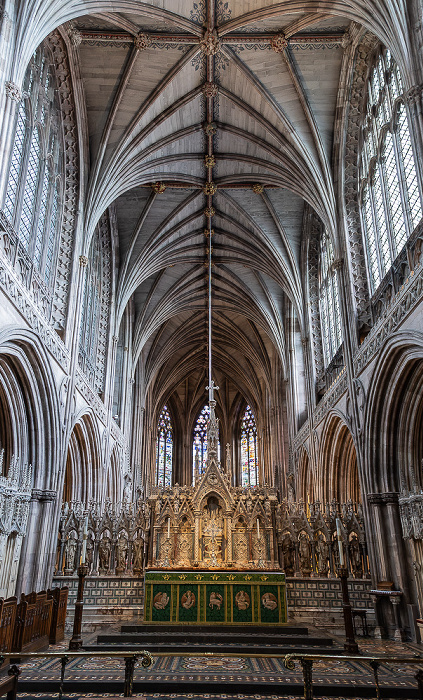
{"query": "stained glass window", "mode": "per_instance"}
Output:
(329, 301)
(249, 464)
(164, 449)
(36, 167)
(199, 445)
(391, 200)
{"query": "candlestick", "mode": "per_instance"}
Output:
(340, 545)
(84, 541)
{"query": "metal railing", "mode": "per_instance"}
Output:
(307, 660)
(131, 659)
(146, 659)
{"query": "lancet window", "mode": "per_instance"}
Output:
(249, 462)
(199, 445)
(35, 182)
(164, 449)
(330, 317)
(96, 307)
(390, 196)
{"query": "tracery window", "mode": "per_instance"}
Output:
(391, 201)
(199, 444)
(96, 307)
(35, 182)
(164, 449)
(330, 316)
(249, 462)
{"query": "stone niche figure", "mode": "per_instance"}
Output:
(104, 551)
(70, 552)
(121, 554)
(355, 557)
(90, 554)
(288, 551)
(322, 555)
(304, 552)
(138, 551)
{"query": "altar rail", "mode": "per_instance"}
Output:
(131, 658)
(35, 622)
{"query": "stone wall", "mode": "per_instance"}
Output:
(319, 601)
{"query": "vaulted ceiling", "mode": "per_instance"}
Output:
(193, 106)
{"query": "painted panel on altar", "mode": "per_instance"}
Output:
(220, 597)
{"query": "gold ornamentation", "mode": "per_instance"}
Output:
(166, 577)
(207, 232)
(258, 188)
(210, 188)
(247, 578)
(182, 577)
(142, 41)
(210, 161)
(199, 577)
(215, 577)
(209, 212)
(231, 577)
(158, 187)
(264, 578)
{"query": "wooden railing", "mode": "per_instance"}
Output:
(35, 622)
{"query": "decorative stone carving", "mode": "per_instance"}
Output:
(121, 554)
(158, 187)
(83, 261)
(279, 43)
(210, 90)
(209, 212)
(210, 188)
(104, 552)
(13, 91)
(210, 128)
(258, 188)
(209, 161)
(142, 41)
(210, 43)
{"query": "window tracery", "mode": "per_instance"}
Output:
(390, 197)
(164, 450)
(35, 182)
(249, 462)
(330, 316)
(199, 445)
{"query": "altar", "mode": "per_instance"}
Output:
(215, 597)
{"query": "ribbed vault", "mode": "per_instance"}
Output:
(222, 106)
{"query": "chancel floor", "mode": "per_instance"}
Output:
(236, 677)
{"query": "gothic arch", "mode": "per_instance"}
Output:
(305, 479)
(83, 475)
(393, 413)
(339, 473)
(31, 409)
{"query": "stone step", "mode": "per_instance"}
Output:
(223, 648)
(277, 631)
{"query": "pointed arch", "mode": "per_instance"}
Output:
(248, 450)
(199, 442)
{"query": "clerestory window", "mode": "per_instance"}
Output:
(330, 316)
(249, 461)
(35, 181)
(390, 196)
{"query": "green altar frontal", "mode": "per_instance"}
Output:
(221, 597)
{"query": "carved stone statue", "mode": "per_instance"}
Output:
(70, 551)
(121, 554)
(104, 551)
(138, 551)
(305, 554)
(288, 550)
(355, 557)
(90, 554)
(322, 555)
